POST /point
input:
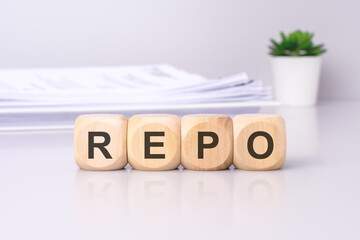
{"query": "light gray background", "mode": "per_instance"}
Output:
(213, 38)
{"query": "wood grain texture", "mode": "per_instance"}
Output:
(113, 124)
(216, 158)
(246, 125)
(167, 124)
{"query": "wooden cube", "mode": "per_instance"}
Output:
(259, 142)
(206, 141)
(100, 141)
(154, 142)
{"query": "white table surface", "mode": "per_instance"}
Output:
(316, 195)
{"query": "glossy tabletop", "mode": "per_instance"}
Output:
(316, 195)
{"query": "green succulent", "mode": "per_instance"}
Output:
(297, 43)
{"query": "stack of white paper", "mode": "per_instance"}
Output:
(42, 99)
(138, 85)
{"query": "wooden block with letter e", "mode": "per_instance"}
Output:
(206, 141)
(100, 141)
(259, 142)
(154, 142)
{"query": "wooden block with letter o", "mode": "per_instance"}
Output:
(100, 141)
(154, 142)
(259, 142)
(206, 141)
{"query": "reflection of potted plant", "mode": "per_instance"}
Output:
(296, 64)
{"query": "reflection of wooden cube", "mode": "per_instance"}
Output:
(154, 142)
(206, 141)
(100, 141)
(259, 141)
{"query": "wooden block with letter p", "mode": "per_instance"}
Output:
(154, 142)
(100, 141)
(259, 142)
(206, 141)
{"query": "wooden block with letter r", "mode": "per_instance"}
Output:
(100, 141)
(259, 141)
(154, 142)
(206, 141)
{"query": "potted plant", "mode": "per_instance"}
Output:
(296, 64)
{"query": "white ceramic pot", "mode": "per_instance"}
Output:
(296, 79)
